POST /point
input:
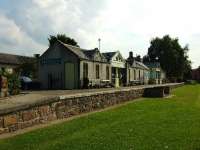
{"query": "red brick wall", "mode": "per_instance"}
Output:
(196, 74)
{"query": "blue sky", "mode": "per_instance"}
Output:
(122, 25)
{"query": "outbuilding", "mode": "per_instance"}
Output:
(9, 62)
(63, 66)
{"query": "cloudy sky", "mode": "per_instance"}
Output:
(121, 24)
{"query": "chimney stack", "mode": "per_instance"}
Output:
(130, 58)
(37, 55)
(130, 54)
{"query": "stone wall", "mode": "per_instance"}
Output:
(63, 107)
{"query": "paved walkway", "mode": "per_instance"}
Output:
(38, 97)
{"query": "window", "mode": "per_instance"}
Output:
(158, 75)
(97, 71)
(107, 73)
(85, 70)
(134, 74)
(139, 74)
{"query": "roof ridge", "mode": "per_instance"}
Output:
(68, 44)
(1, 53)
(74, 46)
(109, 52)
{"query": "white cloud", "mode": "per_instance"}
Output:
(122, 25)
(12, 38)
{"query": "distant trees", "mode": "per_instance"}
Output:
(171, 55)
(63, 38)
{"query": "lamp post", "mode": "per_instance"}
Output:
(99, 43)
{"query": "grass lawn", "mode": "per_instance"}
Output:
(151, 124)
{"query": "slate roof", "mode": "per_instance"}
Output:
(76, 50)
(136, 64)
(10, 59)
(153, 64)
(109, 55)
(83, 53)
(141, 65)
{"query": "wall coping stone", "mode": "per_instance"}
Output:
(50, 99)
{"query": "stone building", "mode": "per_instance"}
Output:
(156, 74)
(196, 74)
(9, 62)
(137, 72)
(118, 65)
(63, 66)
(127, 72)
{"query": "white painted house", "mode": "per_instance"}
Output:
(118, 65)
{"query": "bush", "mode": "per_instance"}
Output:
(13, 84)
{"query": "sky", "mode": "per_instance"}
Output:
(124, 25)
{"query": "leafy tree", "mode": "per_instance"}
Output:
(63, 38)
(146, 58)
(171, 55)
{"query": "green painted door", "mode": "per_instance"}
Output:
(69, 76)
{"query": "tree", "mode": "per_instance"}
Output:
(146, 59)
(63, 38)
(172, 56)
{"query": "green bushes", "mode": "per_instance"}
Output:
(13, 84)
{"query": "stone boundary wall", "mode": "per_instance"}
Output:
(64, 107)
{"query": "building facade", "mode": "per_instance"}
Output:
(63, 66)
(9, 62)
(196, 74)
(156, 74)
(137, 72)
(118, 65)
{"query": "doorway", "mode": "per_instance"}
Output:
(70, 75)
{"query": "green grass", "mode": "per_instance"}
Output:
(151, 124)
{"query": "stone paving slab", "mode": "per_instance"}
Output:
(36, 98)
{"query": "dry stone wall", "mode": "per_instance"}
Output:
(64, 107)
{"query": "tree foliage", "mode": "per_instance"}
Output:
(63, 38)
(171, 55)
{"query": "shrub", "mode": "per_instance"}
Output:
(13, 83)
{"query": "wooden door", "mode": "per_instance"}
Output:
(69, 76)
